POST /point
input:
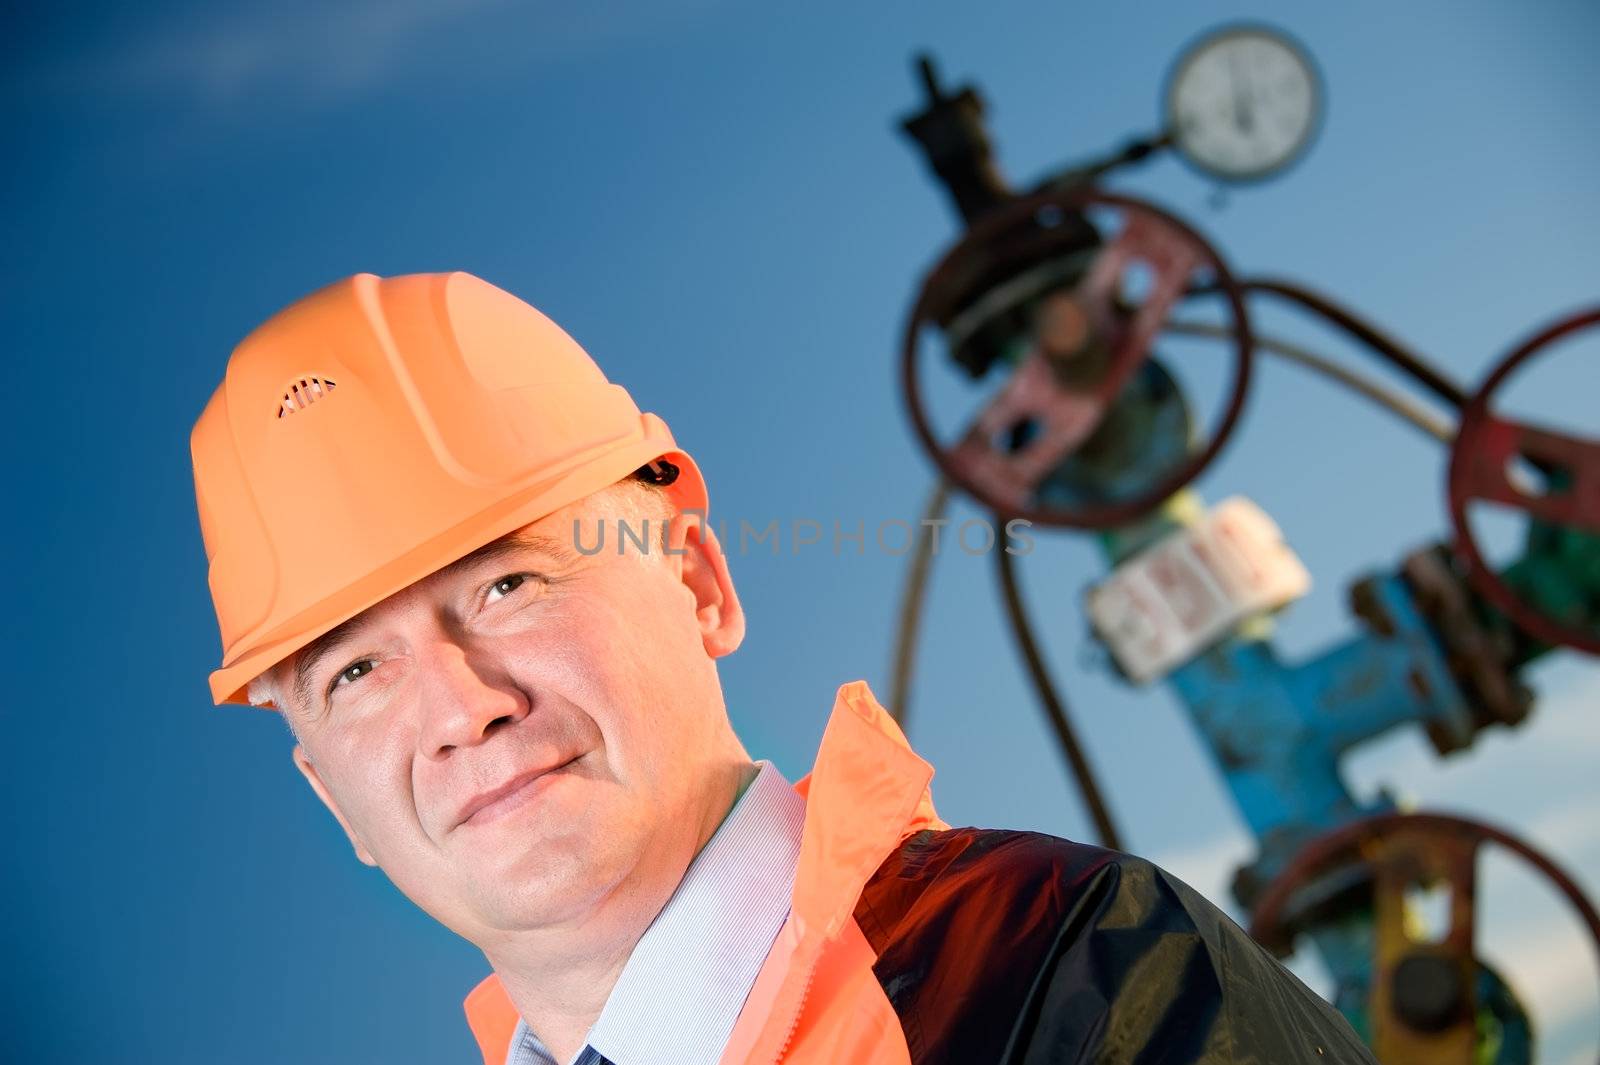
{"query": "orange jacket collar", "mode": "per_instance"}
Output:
(866, 793)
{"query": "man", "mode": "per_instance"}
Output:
(413, 493)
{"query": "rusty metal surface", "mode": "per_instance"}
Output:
(1480, 659)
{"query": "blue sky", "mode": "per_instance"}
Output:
(716, 202)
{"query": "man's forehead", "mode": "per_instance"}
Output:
(530, 539)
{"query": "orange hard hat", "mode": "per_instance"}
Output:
(382, 428)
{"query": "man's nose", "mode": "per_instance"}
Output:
(465, 697)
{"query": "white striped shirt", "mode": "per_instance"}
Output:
(683, 986)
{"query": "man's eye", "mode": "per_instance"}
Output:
(353, 672)
(505, 586)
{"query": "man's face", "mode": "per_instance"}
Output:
(526, 733)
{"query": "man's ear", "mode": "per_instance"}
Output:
(704, 571)
(303, 762)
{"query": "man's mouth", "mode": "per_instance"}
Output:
(495, 803)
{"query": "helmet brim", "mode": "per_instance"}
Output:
(230, 684)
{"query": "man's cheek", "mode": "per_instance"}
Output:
(385, 808)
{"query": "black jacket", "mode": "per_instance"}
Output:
(1025, 949)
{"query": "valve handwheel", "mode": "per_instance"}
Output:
(1422, 1000)
(1087, 347)
(1480, 469)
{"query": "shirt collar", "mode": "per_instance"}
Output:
(683, 986)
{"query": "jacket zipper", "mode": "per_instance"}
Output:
(799, 1011)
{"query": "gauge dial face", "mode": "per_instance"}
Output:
(1243, 103)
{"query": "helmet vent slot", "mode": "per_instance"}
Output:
(302, 392)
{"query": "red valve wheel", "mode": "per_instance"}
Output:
(1421, 997)
(1063, 403)
(1480, 458)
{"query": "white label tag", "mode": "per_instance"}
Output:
(1175, 598)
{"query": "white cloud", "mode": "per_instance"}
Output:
(220, 54)
(328, 51)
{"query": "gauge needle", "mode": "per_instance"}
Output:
(1241, 110)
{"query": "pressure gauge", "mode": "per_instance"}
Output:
(1243, 103)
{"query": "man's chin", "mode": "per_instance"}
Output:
(537, 879)
(541, 894)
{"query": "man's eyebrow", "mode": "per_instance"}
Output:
(313, 654)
